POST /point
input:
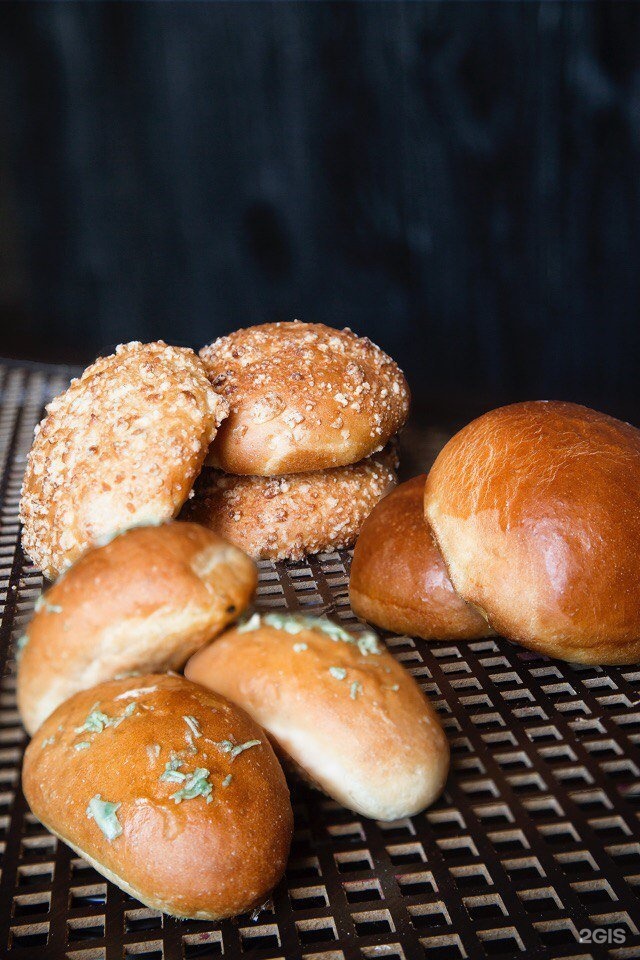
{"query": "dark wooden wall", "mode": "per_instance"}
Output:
(458, 180)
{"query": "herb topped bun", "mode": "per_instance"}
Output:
(119, 448)
(302, 396)
(284, 518)
(398, 578)
(168, 790)
(336, 703)
(144, 602)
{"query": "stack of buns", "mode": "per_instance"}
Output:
(168, 785)
(527, 525)
(307, 449)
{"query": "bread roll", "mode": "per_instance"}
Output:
(338, 705)
(144, 602)
(285, 518)
(398, 578)
(303, 397)
(120, 448)
(536, 509)
(168, 790)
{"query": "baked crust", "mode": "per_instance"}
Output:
(350, 716)
(398, 578)
(536, 511)
(285, 518)
(302, 397)
(193, 858)
(120, 447)
(143, 603)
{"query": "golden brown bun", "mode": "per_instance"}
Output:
(398, 578)
(536, 509)
(353, 720)
(119, 448)
(192, 858)
(303, 397)
(144, 602)
(282, 518)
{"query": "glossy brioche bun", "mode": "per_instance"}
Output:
(398, 579)
(536, 509)
(144, 602)
(218, 851)
(119, 448)
(282, 518)
(353, 721)
(303, 397)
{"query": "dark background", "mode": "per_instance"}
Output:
(459, 181)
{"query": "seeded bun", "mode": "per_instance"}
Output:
(398, 578)
(338, 705)
(144, 602)
(303, 397)
(168, 790)
(285, 518)
(536, 509)
(120, 448)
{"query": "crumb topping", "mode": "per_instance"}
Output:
(290, 516)
(305, 379)
(121, 446)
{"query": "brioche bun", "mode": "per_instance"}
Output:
(536, 509)
(303, 397)
(119, 448)
(201, 846)
(144, 602)
(285, 518)
(398, 579)
(353, 721)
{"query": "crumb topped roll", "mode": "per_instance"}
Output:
(302, 396)
(285, 518)
(119, 448)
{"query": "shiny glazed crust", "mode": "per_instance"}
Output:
(193, 858)
(359, 727)
(282, 518)
(303, 397)
(536, 509)
(398, 578)
(144, 602)
(120, 447)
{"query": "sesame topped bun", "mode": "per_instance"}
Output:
(536, 509)
(398, 579)
(303, 397)
(349, 716)
(144, 602)
(285, 518)
(119, 448)
(168, 790)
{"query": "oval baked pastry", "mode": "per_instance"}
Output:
(168, 790)
(337, 704)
